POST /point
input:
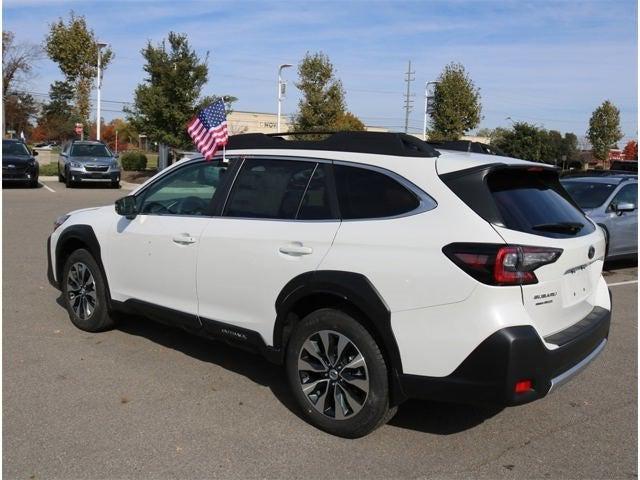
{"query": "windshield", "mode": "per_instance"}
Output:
(589, 195)
(14, 148)
(90, 151)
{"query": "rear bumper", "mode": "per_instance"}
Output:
(489, 374)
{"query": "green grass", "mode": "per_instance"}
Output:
(152, 161)
(48, 170)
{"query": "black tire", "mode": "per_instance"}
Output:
(115, 184)
(99, 319)
(374, 407)
(67, 179)
(60, 177)
(33, 183)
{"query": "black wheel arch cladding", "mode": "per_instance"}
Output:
(353, 289)
(72, 238)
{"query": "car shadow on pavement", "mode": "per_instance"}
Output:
(419, 415)
(19, 186)
(441, 418)
(248, 364)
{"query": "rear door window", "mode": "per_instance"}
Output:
(266, 188)
(365, 193)
(535, 202)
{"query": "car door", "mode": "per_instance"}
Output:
(623, 226)
(279, 221)
(153, 256)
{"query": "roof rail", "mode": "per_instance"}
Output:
(381, 143)
(467, 146)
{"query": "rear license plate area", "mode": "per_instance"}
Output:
(576, 286)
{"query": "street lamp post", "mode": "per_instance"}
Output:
(427, 108)
(99, 84)
(280, 92)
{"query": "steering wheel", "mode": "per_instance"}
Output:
(155, 207)
(189, 206)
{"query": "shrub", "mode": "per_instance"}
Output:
(135, 161)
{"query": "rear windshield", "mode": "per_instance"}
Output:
(90, 151)
(589, 194)
(535, 202)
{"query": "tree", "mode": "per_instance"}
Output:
(348, 122)
(58, 116)
(322, 105)
(604, 129)
(457, 108)
(20, 110)
(524, 141)
(630, 151)
(170, 94)
(74, 47)
(569, 147)
(18, 60)
(534, 143)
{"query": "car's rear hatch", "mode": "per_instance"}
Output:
(527, 206)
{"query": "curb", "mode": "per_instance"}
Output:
(124, 185)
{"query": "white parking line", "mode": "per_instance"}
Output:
(629, 282)
(48, 188)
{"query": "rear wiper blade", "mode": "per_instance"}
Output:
(560, 227)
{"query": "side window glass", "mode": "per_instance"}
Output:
(627, 194)
(364, 193)
(187, 191)
(269, 189)
(317, 203)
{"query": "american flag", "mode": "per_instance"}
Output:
(208, 129)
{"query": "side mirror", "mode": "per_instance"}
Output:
(126, 206)
(624, 207)
(34, 153)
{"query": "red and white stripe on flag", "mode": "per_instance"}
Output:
(207, 141)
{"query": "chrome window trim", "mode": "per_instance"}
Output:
(426, 201)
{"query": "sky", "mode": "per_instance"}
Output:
(550, 63)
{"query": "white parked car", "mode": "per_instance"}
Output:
(374, 267)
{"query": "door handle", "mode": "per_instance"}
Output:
(295, 250)
(184, 239)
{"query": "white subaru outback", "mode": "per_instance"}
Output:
(374, 267)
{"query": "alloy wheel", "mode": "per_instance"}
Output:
(333, 374)
(81, 290)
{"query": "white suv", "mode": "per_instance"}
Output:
(372, 266)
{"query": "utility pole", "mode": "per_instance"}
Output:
(408, 101)
(101, 45)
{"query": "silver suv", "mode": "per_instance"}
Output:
(610, 200)
(88, 161)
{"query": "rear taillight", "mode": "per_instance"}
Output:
(495, 264)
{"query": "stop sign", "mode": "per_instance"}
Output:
(78, 128)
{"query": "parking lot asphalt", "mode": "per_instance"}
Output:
(148, 401)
